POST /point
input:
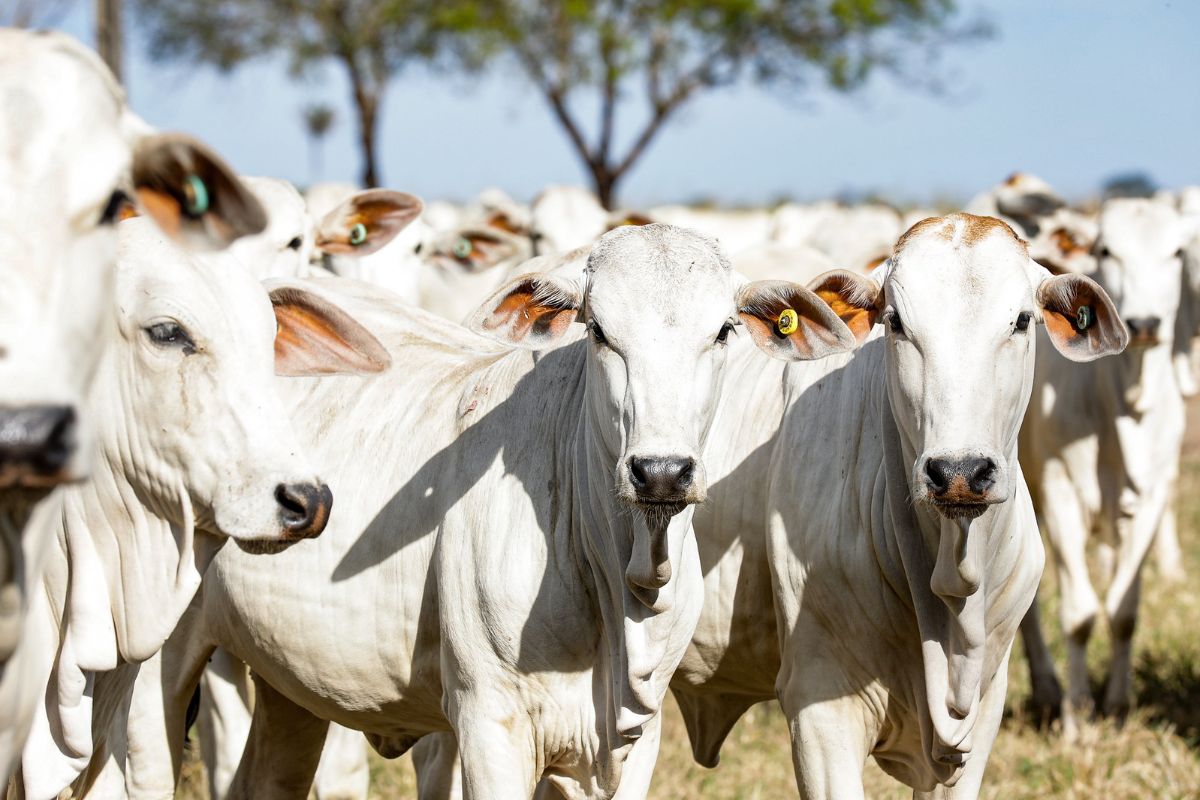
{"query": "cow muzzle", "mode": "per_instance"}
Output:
(1143, 331)
(36, 445)
(303, 508)
(664, 481)
(962, 486)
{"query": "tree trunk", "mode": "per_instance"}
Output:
(604, 183)
(368, 108)
(108, 34)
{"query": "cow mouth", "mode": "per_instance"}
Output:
(960, 510)
(659, 512)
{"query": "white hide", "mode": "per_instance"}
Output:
(496, 561)
(880, 615)
(1101, 449)
(195, 447)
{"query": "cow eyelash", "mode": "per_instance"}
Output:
(1023, 320)
(723, 336)
(171, 334)
(893, 320)
(597, 334)
(112, 209)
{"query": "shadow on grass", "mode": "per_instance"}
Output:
(1168, 692)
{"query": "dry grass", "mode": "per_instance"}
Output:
(1155, 755)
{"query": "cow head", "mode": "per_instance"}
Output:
(201, 425)
(73, 161)
(960, 300)
(659, 305)
(1139, 256)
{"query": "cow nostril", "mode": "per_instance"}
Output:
(303, 507)
(638, 468)
(938, 471)
(981, 474)
(684, 478)
(37, 442)
(60, 440)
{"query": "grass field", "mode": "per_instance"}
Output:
(1155, 755)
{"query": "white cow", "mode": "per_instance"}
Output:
(869, 544)
(854, 237)
(519, 567)
(73, 158)
(736, 230)
(1022, 199)
(195, 446)
(1101, 448)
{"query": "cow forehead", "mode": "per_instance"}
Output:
(61, 126)
(212, 290)
(659, 271)
(961, 261)
(1133, 227)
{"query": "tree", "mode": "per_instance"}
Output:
(109, 36)
(666, 52)
(370, 39)
(1128, 184)
(318, 119)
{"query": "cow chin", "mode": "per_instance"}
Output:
(958, 511)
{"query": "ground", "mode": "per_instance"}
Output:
(1155, 755)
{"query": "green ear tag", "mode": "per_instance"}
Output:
(358, 234)
(196, 195)
(463, 248)
(1083, 318)
(789, 321)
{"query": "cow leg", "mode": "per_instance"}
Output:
(1046, 690)
(828, 725)
(1067, 531)
(283, 749)
(638, 768)
(1135, 535)
(435, 759)
(1167, 554)
(498, 759)
(223, 725)
(342, 773)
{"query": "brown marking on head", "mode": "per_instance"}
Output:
(632, 218)
(1014, 179)
(974, 229)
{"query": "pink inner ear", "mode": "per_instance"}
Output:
(521, 316)
(315, 338)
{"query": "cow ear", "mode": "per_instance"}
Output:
(477, 249)
(366, 221)
(792, 323)
(315, 337)
(534, 310)
(192, 194)
(856, 299)
(1080, 317)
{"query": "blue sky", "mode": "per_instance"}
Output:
(1072, 90)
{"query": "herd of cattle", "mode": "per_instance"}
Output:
(500, 476)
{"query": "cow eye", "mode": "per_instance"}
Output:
(420, 246)
(295, 243)
(1105, 252)
(597, 334)
(1023, 321)
(726, 329)
(171, 334)
(893, 321)
(1180, 254)
(117, 204)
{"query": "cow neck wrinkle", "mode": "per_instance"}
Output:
(634, 635)
(946, 579)
(123, 554)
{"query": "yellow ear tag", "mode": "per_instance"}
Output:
(789, 322)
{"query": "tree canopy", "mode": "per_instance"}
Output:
(662, 53)
(370, 39)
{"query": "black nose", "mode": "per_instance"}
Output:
(36, 442)
(661, 480)
(304, 508)
(1143, 327)
(979, 474)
